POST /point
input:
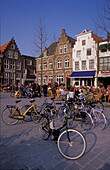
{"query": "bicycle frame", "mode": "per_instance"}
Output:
(24, 113)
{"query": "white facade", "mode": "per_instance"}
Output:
(85, 58)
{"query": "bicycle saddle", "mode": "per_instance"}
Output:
(32, 101)
(17, 101)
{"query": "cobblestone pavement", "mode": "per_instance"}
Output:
(21, 147)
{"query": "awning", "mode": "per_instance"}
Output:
(83, 74)
(103, 47)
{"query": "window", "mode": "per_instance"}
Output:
(12, 46)
(18, 65)
(28, 62)
(60, 49)
(65, 48)
(6, 78)
(104, 64)
(84, 65)
(45, 66)
(39, 66)
(77, 65)
(15, 55)
(50, 79)
(6, 64)
(12, 64)
(83, 42)
(59, 63)
(18, 75)
(91, 64)
(88, 51)
(59, 79)
(50, 65)
(45, 79)
(67, 63)
(30, 71)
(9, 54)
(78, 54)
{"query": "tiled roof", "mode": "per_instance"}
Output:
(51, 49)
(3, 47)
(96, 38)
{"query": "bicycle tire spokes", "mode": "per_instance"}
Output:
(71, 144)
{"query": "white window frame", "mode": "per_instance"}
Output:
(45, 66)
(18, 65)
(78, 53)
(44, 79)
(6, 78)
(59, 78)
(50, 65)
(76, 65)
(66, 62)
(28, 62)
(84, 65)
(91, 64)
(59, 64)
(13, 64)
(15, 55)
(9, 54)
(6, 64)
(50, 78)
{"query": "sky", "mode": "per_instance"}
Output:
(20, 19)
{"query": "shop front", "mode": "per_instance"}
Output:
(83, 78)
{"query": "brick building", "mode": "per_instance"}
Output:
(12, 64)
(57, 61)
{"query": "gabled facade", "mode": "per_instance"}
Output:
(104, 62)
(85, 59)
(57, 61)
(12, 64)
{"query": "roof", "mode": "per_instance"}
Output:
(3, 47)
(51, 49)
(72, 40)
(96, 38)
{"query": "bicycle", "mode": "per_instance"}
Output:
(12, 114)
(70, 142)
(99, 119)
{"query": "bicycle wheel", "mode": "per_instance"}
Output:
(100, 120)
(44, 128)
(35, 115)
(98, 105)
(71, 144)
(8, 112)
(86, 120)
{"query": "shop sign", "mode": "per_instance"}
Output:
(105, 72)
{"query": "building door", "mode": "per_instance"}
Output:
(67, 82)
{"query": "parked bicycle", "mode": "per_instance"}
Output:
(70, 142)
(12, 113)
